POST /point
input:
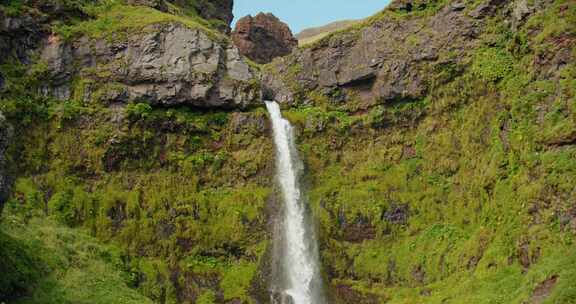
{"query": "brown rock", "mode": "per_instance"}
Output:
(263, 38)
(543, 290)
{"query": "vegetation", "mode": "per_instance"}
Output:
(49, 263)
(463, 196)
(116, 20)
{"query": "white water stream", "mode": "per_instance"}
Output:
(301, 281)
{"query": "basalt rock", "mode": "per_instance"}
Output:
(263, 37)
(20, 36)
(167, 64)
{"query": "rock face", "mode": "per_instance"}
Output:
(385, 61)
(263, 38)
(19, 36)
(5, 134)
(168, 64)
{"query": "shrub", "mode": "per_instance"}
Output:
(138, 110)
(492, 64)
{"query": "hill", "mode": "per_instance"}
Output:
(315, 33)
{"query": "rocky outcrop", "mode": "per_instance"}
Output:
(5, 134)
(263, 38)
(167, 64)
(382, 61)
(19, 36)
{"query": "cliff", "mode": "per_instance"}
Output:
(109, 100)
(438, 139)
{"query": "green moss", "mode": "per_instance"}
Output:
(492, 64)
(236, 281)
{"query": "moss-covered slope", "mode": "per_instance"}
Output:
(180, 189)
(457, 187)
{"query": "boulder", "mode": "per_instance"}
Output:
(263, 38)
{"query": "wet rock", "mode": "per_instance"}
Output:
(263, 37)
(346, 294)
(281, 298)
(168, 64)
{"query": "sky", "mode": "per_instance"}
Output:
(302, 14)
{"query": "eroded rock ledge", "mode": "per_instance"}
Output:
(166, 64)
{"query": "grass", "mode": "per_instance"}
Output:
(56, 264)
(117, 21)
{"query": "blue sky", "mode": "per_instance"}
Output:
(301, 14)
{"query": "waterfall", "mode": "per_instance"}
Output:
(300, 280)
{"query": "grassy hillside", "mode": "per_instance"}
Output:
(465, 195)
(310, 35)
(179, 193)
(50, 263)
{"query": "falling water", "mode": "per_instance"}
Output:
(300, 281)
